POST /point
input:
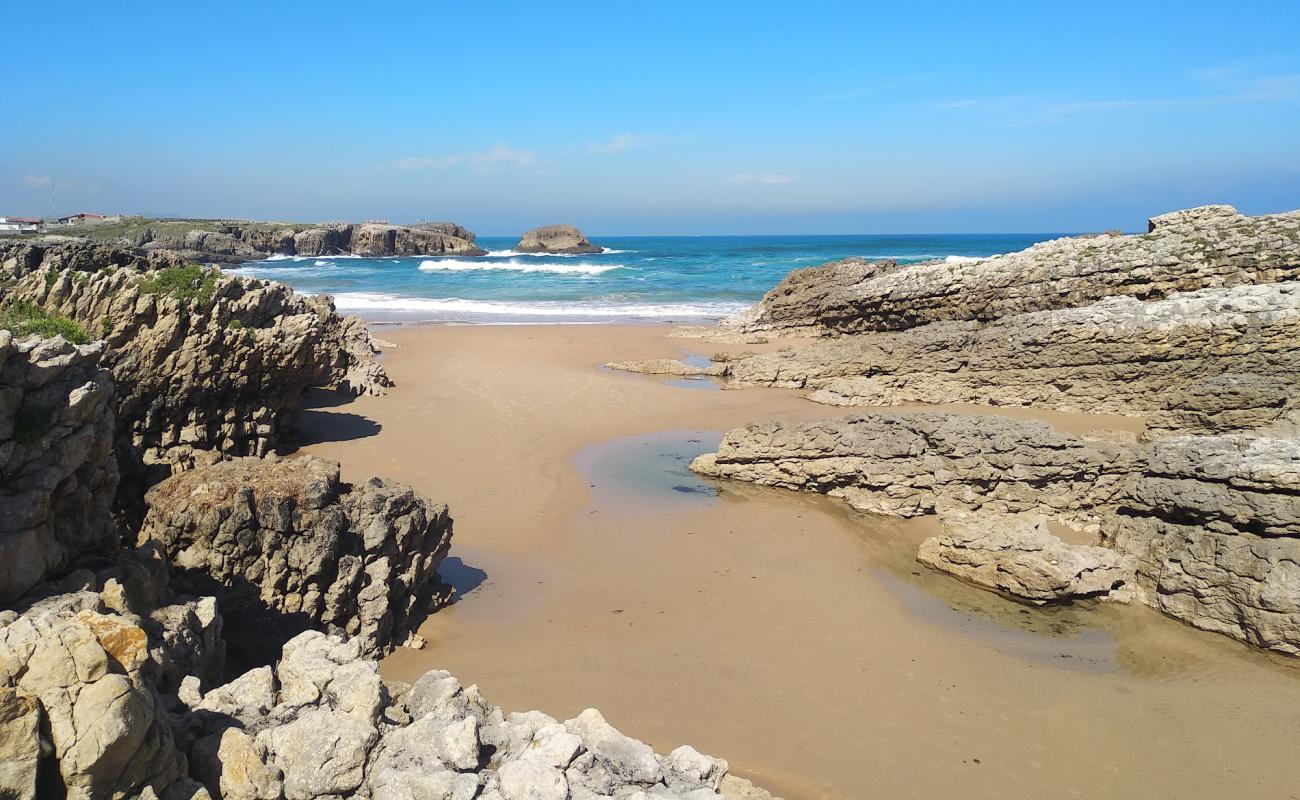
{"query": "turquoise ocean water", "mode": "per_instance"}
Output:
(638, 278)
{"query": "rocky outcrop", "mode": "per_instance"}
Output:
(1204, 361)
(1214, 523)
(57, 473)
(233, 241)
(916, 463)
(323, 724)
(1018, 556)
(664, 366)
(1207, 247)
(206, 365)
(285, 546)
(556, 239)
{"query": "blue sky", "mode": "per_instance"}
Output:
(659, 117)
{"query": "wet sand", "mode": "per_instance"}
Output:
(780, 631)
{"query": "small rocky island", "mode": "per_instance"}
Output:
(559, 239)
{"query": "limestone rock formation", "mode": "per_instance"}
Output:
(1184, 251)
(57, 473)
(664, 366)
(1203, 361)
(556, 239)
(915, 463)
(233, 241)
(1214, 522)
(1018, 556)
(206, 365)
(330, 727)
(285, 546)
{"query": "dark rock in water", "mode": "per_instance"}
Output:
(556, 239)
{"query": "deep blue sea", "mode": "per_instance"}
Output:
(637, 279)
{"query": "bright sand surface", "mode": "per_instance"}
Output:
(779, 631)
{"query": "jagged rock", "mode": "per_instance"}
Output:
(20, 744)
(233, 766)
(57, 473)
(284, 546)
(1184, 251)
(911, 464)
(1214, 522)
(217, 374)
(1200, 361)
(108, 733)
(556, 239)
(1018, 556)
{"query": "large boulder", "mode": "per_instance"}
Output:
(285, 546)
(1018, 556)
(556, 239)
(59, 476)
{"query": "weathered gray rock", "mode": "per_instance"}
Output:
(57, 472)
(285, 546)
(1018, 556)
(20, 744)
(912, 464)
(1204, 361)
(664, 366)
(1213, 246)
(1214, 522)
(556, 239)
(210, 370)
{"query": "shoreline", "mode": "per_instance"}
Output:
(838, 661)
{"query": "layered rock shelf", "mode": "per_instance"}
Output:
(1212, 246)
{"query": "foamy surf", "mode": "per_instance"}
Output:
(608, 251)
(455, 307)
(457, 265)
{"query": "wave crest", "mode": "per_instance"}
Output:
(458, 265)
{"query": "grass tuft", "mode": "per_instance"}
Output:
(190, 283)
(24, 318)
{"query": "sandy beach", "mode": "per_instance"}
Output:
(798, 640)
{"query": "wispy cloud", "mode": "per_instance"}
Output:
(495, 158)
(1218, 86)
(428, 162)
(621, 142)
(764, 178)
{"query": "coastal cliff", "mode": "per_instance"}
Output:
(206, 365)
(1189, 329)
(233, 241)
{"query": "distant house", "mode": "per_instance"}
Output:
(19, 225)
(76, 218)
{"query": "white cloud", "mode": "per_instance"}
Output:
(764, 178)
(428, 162)
(37, 181)
(620, 142)
(495, 158)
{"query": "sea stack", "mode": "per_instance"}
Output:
(556, 239)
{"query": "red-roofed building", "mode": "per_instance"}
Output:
(19, 225)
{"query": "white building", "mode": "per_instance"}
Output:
(19, 225)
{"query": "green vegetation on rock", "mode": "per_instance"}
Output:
(24, 318)
(188, 283)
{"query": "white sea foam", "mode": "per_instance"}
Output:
(963, 259)
(459, 265)
(458, 308)
(608, 251)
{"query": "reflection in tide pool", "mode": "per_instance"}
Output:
(650, 473)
